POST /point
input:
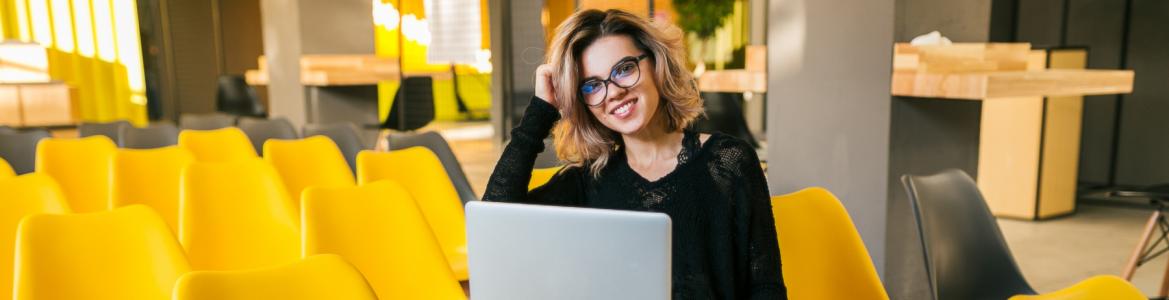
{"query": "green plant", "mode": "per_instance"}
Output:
(702, 17)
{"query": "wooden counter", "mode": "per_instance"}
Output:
(1031, 111)
(342, 70)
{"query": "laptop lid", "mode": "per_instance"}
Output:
(518, 251)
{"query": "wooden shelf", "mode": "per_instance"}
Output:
(1006, 84)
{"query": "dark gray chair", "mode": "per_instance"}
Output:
(413, 105)
(435, 142)
(547, 158)
(154, 136)
(20, 148)
(6, 129)
(966, 256)
(260, 130)
(206, 121)
(346, 136)
(234, 96)
(724, 113)
(108, 129)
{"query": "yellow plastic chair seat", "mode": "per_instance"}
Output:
(324, 276)
(219, 145)
(6, 169)
(421, 173)
(237, 215)
(150, 177)
(1098, 287)
(312, 161)
(379, 229)
(24, 195)
(823, 256)
(542, 176)
(82, 168)
(126, 253)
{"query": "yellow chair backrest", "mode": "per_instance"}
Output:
(421, 173)
(322, 276)
(126, 253)
(150, 177)
(6, 169)
(822, 249)
(219, 145)
(24, 195)
(1098, 287)
(81, 167)
(237, 215)
(312, 161)
(379, 229)
(542, 176)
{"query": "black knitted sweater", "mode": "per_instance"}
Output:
(724, 241)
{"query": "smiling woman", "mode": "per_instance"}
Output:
(626, 99)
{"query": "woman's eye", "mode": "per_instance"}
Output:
(625, 69)
(588, 88)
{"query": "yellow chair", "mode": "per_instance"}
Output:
(1098, 287)
(6, 169)
(312, 161)
(24, 195)
(218, 145)
(823, 255)
(126, 253)
(150, 177)
(236, 216)
(81, 167)
(542, 176)
(322, 276)
(420, 171)
(379, 229)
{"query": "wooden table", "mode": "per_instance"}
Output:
(1029, 135)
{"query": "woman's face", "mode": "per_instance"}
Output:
(630, 95)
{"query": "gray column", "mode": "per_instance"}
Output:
(281, 27)
(829, 65)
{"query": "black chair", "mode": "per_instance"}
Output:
(724, 113)
(346, 136)
(413, 105)
(20, 148)
(547, 158)
(435, 142)
(260, 130)
(236, 97)
(154, 136)
(108, 129)
(206, 121)
(966, 256)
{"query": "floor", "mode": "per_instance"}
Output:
(1095, 240)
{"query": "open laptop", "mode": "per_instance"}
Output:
(518, 252)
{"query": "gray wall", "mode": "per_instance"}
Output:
(829, 105)
(959, 20)
(1142, 157)
(191, 46)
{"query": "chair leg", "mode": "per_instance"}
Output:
(1135, 259)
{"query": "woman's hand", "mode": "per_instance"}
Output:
(545, 85)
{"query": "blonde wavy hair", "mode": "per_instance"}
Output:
(581, 139)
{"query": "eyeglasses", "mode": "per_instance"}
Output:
(625, 74)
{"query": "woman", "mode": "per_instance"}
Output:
(626, 101)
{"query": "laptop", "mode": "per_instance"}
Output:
(519, 252)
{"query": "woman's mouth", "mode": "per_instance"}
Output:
(624, 109)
